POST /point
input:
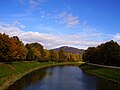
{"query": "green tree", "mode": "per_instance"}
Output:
(107, 53)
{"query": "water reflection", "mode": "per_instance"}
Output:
(29, 79)
(62, 78)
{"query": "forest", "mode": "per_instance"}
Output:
(12, 49)
(106, 54)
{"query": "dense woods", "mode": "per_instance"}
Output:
(107, 54)
(12, 49)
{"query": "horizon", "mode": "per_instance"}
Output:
(61, 46)
(79, 24)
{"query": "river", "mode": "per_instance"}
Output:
(62, 78)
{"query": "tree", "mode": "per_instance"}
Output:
(88, 55)
(11, 49)
(18, 50)
(47, 55)
(53, 55)
(107, 53)
(77, 57)
(35, 52)
(67, 56)
(4, 47)
(62, 55)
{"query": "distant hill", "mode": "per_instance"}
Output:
(70, 49)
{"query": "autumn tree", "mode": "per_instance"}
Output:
(47, 55)
(4, 47)
(53, 56)
(62, 55)
(35, 52)
(11, 49)
(17, 49)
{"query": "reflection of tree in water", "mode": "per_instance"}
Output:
(31, 78)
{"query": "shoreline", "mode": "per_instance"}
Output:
(108, 74)
(20, 75)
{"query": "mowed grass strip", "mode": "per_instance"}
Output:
(106, 73)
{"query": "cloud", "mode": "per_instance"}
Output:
(62, 17)
(50, 41)
(33, 4)
(14, 24)
(68, 19)
(18, 24)
(116, 37)
(28, 37)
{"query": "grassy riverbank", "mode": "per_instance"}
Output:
(103, 72)
(9, 73)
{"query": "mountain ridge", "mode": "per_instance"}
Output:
(70, 49)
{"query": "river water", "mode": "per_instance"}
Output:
(62, 78)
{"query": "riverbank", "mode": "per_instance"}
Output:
(111, 74)
(9, 73)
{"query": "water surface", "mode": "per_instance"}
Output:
(62, 78)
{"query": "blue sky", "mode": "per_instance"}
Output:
(55, 23)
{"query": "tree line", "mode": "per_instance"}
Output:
(12, 49)
(107, 54)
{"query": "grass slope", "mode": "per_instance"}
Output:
(9, 73)
(103, 72)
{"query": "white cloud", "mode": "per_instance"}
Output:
(68, 19)
(14, 24)
(117, 37)
(18, 24)
(33, 4)
(22, 26)
(65, 17)
(52, 40)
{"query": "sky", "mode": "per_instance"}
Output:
(55, 23)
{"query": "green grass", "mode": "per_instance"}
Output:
(106, 73)
(9, 73)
